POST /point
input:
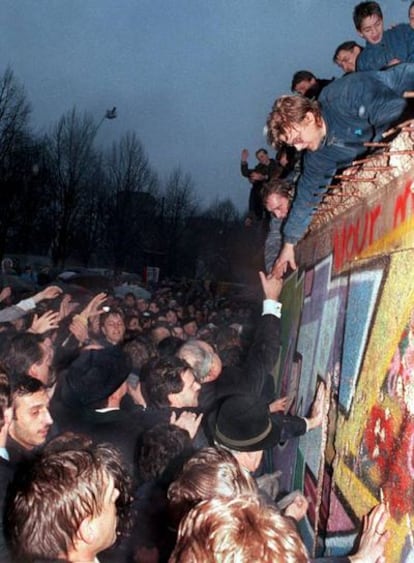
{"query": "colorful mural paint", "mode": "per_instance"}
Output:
(349, 318)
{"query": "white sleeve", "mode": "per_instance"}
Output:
(272, 307)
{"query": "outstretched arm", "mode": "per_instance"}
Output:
(49, 292)
(273, 244)
(264, 350)
(23, 307)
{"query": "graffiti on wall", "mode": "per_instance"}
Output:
(349, 313)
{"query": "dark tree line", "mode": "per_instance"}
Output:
(64, 197)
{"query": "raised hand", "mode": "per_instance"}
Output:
(48, 321)
(187, 421)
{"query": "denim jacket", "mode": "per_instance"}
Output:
(356, 108)
(396, 43)
(273, 242)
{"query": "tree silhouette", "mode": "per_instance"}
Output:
(72, 163)
(15, 153)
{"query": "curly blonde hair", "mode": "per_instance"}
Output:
(238, 530)
(288, 111)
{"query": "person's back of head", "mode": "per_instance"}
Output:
(238, 530)
(232, 356)
(169, 346)
(24, 350)
(139, 350)
(161, 451)
(365, 10)
(159, 331)
(209, 473)
(227, 336)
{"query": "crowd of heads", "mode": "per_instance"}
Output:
(72, 491)
(110, 435)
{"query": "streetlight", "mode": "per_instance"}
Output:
(109, 114)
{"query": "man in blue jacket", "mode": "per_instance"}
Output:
(383, 48)
(332, 131)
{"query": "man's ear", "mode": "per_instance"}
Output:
(309, 118)
(86, 531)
(32, 371)
(8, 415)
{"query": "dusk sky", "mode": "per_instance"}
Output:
(194, 79)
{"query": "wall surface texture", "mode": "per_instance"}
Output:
(348, 319)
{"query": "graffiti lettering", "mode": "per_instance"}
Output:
(401, 204)
(351, 239)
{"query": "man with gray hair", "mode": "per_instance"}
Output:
(202, 358)
(255, 376)
(207, 367)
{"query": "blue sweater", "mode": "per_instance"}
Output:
(356, 108)
(396, 43)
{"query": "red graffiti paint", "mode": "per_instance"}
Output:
(353, 237)
(379, 439)
(403, 203)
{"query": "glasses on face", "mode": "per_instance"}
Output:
(343, 60)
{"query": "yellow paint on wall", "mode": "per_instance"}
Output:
(395, 305)
(401, 237)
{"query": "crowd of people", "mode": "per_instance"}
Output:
(328, 124)
(134, 428)
(127, 424)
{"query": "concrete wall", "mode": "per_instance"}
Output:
(348, 319)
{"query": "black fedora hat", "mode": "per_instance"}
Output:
(244, 423)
